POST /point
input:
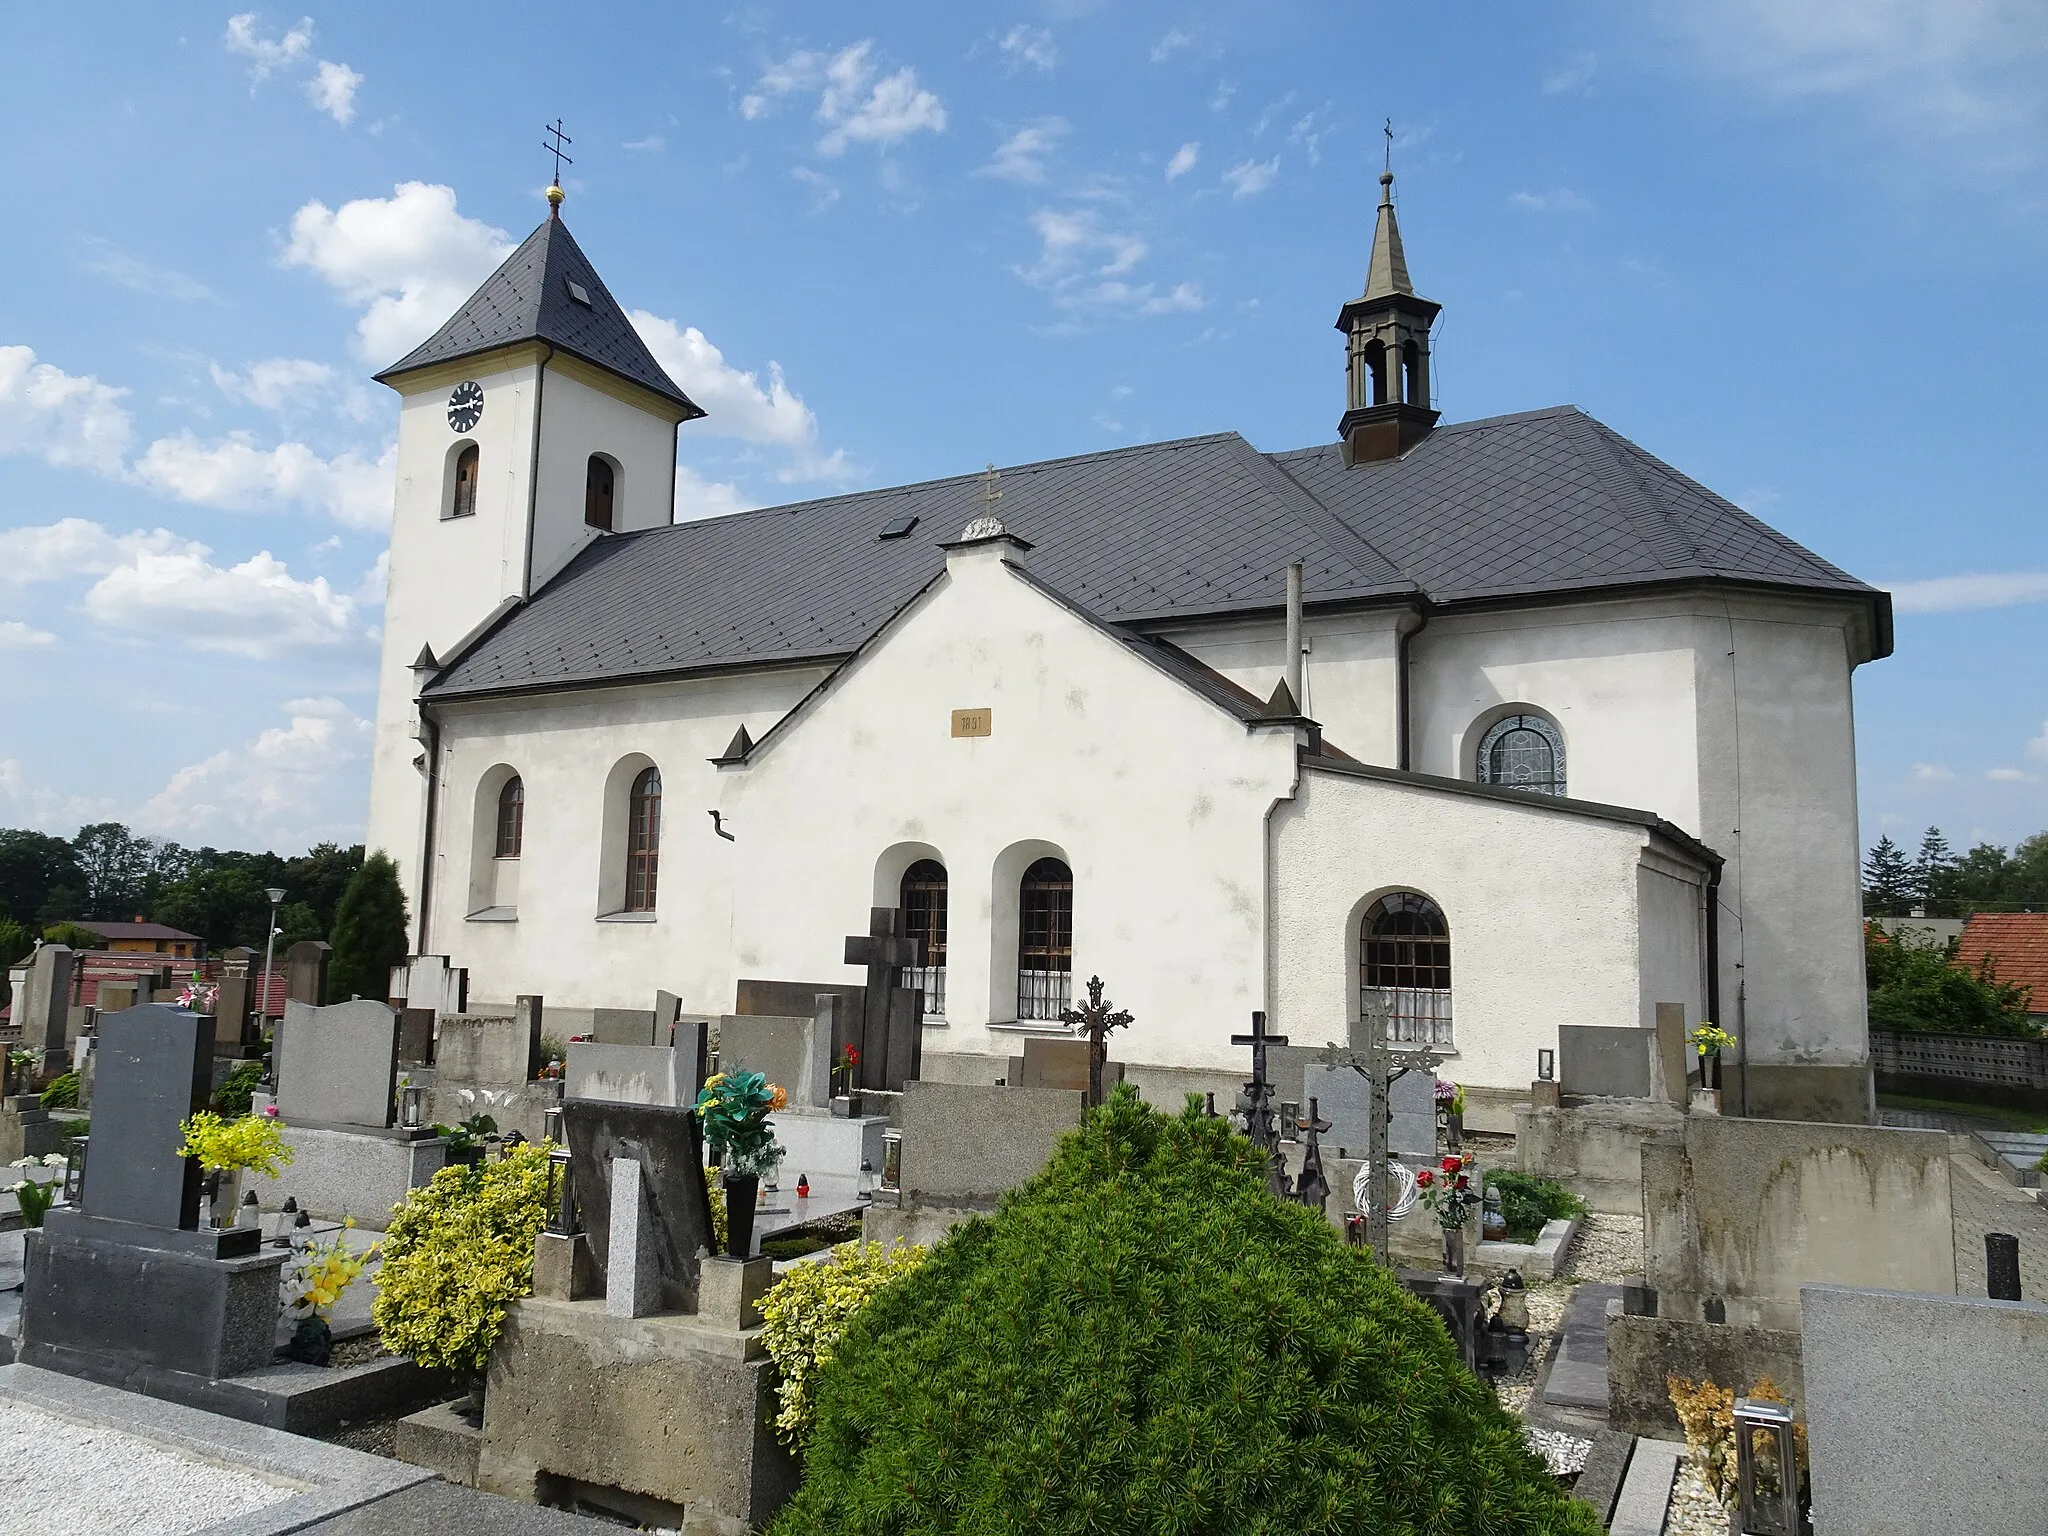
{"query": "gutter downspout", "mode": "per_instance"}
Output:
(1714, 962)
(433, 746)
(540, 395)
(1404, 754)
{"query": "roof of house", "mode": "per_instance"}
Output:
(2016, 943)
(1514, 507)
(140, 930)
(533, 297)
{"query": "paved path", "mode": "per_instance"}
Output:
(1983, 1202)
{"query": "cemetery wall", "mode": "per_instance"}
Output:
(1643, 1352)
(1751, 1210)
(1924, 1413)
(1563, 946)
(1595, 1150)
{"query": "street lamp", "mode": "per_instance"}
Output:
(269, 944)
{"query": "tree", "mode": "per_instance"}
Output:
(1887, 880)
(1977, 881)
(15, 941)
(368, 933)
(1931, 869)
(116, 865)
(1914, 985)
(32, 864)
(224, 905)
(1143, 1339)
(317, 878)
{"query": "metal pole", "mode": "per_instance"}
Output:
(1293, 671)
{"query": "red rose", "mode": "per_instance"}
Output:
(1463, 1182)
(1424, 1179)
(1449, 1165)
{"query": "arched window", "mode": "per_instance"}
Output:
(597, 492)
(511, 817)
(643, 840)
(924, 918)
(1411, 374)
(466, 470)
(1404, 963)
(1523, 752)
(1375, 355)
(1045, 940)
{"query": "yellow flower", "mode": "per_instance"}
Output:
(777, 1099)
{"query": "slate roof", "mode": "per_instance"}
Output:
(139, 930)
(529, 299)
(1523, 506)
(2016, 943)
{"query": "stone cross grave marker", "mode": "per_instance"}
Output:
(675, 1208)
(892, 1024)
(1370, 1056)
(336, 1065)
(1257, 1101)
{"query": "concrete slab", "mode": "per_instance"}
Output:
(1540, 1260)
(440, 1509)
(1646, 1491)
(1578, 1376)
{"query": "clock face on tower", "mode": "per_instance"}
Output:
(466, 405)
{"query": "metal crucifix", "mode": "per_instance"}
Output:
(1257, 1103)
(1371, 1057)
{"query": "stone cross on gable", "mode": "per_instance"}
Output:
(1370, 1057)
(892, 1017)
(1257, 1102)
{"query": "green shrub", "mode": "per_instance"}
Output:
(1143, 1339)
(458, 1251)
(232, 1097)
(1914, 985)
(73, 936)
(369, 933)
(62, 1092)
(807, 1312)
(75, 1127)
(1528, 1202)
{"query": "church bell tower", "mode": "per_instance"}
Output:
(1386, 351)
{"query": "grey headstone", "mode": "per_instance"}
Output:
(154, 1069)
(794, 1052)
(41, 1017)
(484, 1049)
(416, 1036)
(1344, 1098)
(967, 1143)
(1672, 1053)
(117, 996)
(633, 1286)
(668, 1008)
(305, 971)
(693, 1055)
(1610, 1063)
(622, 1026)
(788, 999)
(1061, 1064)
(336, 1065)
(624, 1074)
(667, 1145)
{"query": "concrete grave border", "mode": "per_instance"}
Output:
(335, 1479)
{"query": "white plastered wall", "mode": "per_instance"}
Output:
(1348, 671)
(1546, 917)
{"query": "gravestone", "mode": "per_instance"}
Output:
(668, 1009)
(1673, 1054)
(231, 1009)
(336, 1065)
(416, 1036)
(666, 1144)
(42, 1008)
(1345, 1098)
(793, 999)
(1594, 1061)
(891, 1039)
(429, 981)
(633, 1280)
(1061, 1064)
(793, 1052)
(154, 1070)
(486, 1050)
(625, 1074)
(622, 1026)
(967, 1145)
(117, 996)
(693, 1055)
(305, 972)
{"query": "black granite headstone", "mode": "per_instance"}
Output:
(669, 1147)
(154, 1068)
(416, 1036)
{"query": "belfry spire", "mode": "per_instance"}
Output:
(1388, 272)
(1388, 407)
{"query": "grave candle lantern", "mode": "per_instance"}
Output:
(1766, 1468)
(411, 1102)
(892, 1162)
(1546, 1065)
(551, 1125)
(561, 1197)
(866, 1187)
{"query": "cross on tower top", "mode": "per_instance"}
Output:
(1387, 165)
(554, 132)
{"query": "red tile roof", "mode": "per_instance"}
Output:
(2017, 945)
(140, 930)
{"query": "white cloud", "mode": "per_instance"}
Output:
(1932, 773)
(274, 384)
(268, 55)
(370, 590)
(2009, 776)
(1251, 177)
(1175, 41)
(739, 403)
(409, 259)
(824, 191)
(1573, 76)
(333, 90)
(855, 105)
(72, 421)
(257, 608)
(293, 785)
(1952, 594)
(2037, 747)
(1183, 160)
(237, 475)
(697, 497)
(17, 636)
(1086, 267)
(652, 144)
(1309, 132)
(1024, 45)
(103, 258)
(1021, 157)
(75, 546)
(1559, 200)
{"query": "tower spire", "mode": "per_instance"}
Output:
(1386, 355)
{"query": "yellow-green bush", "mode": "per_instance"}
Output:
(458, 1252)
(808, 1310)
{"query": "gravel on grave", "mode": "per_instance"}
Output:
(57, 1474)
(1694, 1509)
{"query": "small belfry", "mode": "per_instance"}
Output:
(1386, 347)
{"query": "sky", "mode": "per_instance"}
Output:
(1794, 250)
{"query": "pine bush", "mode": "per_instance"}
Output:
(1142, 1339)
(369, 933)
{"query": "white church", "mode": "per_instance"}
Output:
(1505, 722)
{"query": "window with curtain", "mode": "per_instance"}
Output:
(511, 817)
(1523, 752)
(1404, 961)
(1045, 940)
(643, 840)
(924, 919)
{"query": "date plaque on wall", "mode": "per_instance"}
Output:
(973, 722)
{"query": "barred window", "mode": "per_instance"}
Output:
(511, 818)
(1045, 940)
(643, 841)
(1523, 752)
(1404, 957)
(924, 919)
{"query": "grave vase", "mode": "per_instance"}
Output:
(1454, 1251)
(742, 1193)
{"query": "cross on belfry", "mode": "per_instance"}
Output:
(892, 1020)
(560, 138)
(1369, 1056)
(1257, 1102)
